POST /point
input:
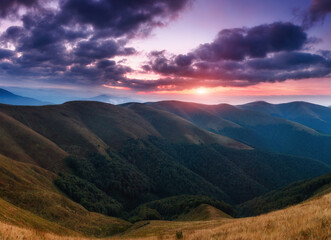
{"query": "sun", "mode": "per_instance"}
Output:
(201, 91)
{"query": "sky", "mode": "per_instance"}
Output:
(208, 51)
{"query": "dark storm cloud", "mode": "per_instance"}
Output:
(4, 53)
(101, 49)
(184, 60)
(276, 67)
(289, 61)
(317, 12)
(121, 17)
(8, 7)
(236, 44)
(239, 57)
(74, 41)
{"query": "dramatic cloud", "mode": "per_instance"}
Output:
(121, 17)
(82, 42)
(74, 40)
(317, 12)
(4, 53)
(101, 49)
(8, 7)
(239, 57)
(236, 44)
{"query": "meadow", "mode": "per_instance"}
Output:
(310, 220)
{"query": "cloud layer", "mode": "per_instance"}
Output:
(73, 40)
(317, 12)
(239, 57)
(76, 42)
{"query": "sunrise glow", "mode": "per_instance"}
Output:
(201, 91)
(191, 56)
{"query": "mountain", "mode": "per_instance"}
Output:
(106, 98)
(254, 128)
(181, 130)
(286, 196)
(137, 153)
(91, 167)
(92, 126)
(7, 97)
(312, 115)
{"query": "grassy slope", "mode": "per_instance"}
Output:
(204, 212)
(242, 175)
(59, 124)
(181, 130)
(78, 127)
(11, 214)
(21, 143)
(307, 221)
(286, 196)
(196, 113)
(31, 188)
(256, 129)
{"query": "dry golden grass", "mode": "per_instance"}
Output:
(310, 220)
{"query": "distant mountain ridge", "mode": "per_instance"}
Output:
(7, 97)
(312, 115)
(106, 98)
(258, 129)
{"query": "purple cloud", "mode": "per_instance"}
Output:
(317, 12)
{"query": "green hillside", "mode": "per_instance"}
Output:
(241, 174)
(11, 214)
(181, 130)
(287, 196)
(254, 128)
(181, 206)
(204, 212)
(81, 127)
(39, 203)
(19, 142)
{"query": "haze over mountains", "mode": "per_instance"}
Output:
(7, 97)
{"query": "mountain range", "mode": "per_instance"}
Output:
(69, 167)
(312, 115)
(7, 97)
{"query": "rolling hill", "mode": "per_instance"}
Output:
(204, 212)
(136, 153)
(257, 129)
(106, 98)
(21, 143)
(91, 126)
(314, 116)
(7, 97)
(31, 199)
(287, 196)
